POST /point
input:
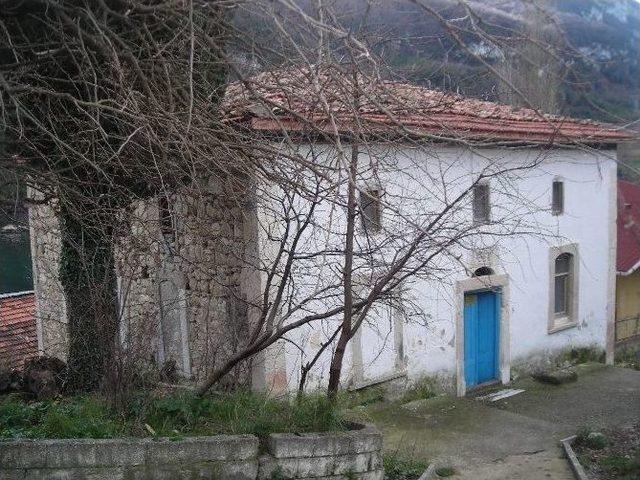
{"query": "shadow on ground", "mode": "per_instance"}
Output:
(515, 438)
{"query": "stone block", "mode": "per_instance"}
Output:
(236, 470)
(557, 376)
(239, 470)
(105, 473)
(267, 466)
(22, 454)
(311, 467)
(93, 453)
(12, 474)
(375, 475)
(202, 449)
(287, 445)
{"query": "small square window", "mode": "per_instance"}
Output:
(371, 209)
(557, 198)
(481, 203)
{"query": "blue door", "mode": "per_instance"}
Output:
(481, 334)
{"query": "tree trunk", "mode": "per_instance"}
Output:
(87, 274)
(335, 370)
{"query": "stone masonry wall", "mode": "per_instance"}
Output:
(51, 316)
(346, 455)
(180, 288)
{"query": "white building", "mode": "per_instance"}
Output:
(515, 301)
(539, 282)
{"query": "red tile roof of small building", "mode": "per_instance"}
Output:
(18, 338)
(628, 256)
(295, 100)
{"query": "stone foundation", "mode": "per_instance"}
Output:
(355, 454)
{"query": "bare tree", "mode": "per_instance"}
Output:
(304, 198)
(101, 103)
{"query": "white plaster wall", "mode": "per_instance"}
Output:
(416, 182)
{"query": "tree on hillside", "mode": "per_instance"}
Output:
(534, 63)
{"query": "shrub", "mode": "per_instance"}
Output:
(586, 437)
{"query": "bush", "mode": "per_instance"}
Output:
(176, 415)
(586, 437)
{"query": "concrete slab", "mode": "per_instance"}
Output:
(517, 437)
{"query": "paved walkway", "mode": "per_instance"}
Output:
(515, 438)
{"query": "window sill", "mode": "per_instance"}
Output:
(561, 324)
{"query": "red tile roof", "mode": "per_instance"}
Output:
(628, 257)
(18, 339)
(297, 101)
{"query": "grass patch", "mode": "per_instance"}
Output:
(421, 390)
(580, 355)
(397, 468)
(175, 416)
(362, 398)
(588, 438)
(445, 472)
(617, 457)
(620, 464)
(628, 358)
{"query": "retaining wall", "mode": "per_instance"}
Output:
(355, 454)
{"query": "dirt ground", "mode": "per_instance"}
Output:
(515, 438)
(612, 456)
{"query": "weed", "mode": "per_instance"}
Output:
(588, 438)
(362, 398)
(622, 464)
(351, 475)
(396, 468)
(579, 355)
(277, 474)
(80, 417)
(628, 358)
(420, 390)
(445, 472)
(175, 416)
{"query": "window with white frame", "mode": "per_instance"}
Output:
(371, 209)
(563, 287)
(481, 203)
(557, 197)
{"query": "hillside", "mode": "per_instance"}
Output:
(600, 47)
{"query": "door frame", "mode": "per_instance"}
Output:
(473, 285)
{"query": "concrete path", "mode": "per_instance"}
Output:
(515, 438)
